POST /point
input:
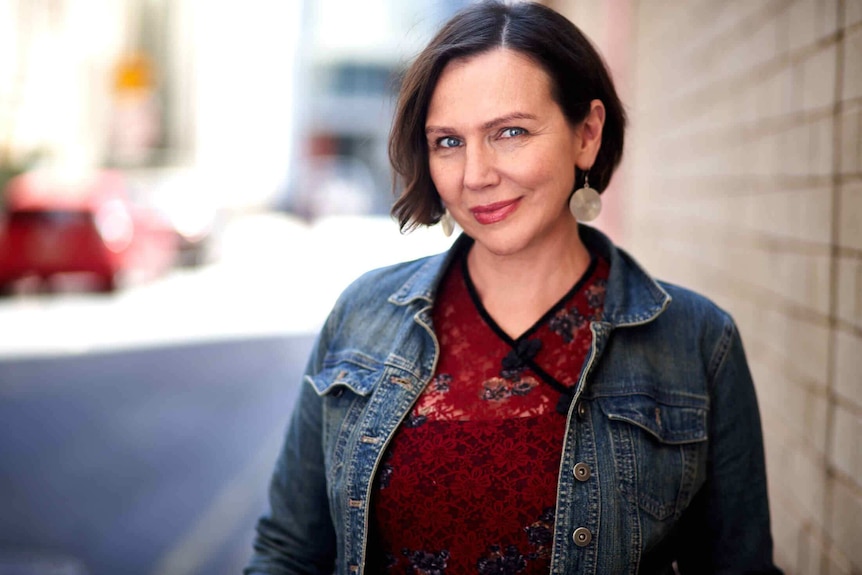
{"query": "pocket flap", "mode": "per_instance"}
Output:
(353, 371)
(666, 422)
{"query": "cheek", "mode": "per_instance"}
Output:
(565, 176)
(445, 177)
(552, 174)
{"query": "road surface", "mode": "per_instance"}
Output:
(149, 461)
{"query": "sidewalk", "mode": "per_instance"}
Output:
(275, 275)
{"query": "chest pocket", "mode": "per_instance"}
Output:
(659, 448)
(345, 383)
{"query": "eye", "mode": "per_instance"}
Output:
(512, 132)
(448, 142)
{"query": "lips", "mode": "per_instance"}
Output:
(496, 212)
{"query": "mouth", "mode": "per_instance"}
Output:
(496, 212)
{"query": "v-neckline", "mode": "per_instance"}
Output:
(495, 327)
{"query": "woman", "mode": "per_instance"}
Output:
(531, 401)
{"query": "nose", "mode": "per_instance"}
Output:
(479, 169)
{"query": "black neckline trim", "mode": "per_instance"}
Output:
(566, 392)
(474, 295)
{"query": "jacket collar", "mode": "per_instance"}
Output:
(633, 296)
(422, 285)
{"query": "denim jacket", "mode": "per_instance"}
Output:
(662, 461)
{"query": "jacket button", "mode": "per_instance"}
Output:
(582, 409)
(582, 471)
(582, 536)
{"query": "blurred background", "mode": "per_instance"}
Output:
(187, 186)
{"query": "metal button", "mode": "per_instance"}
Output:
(582, 536)
(582, 409)
(582, 471)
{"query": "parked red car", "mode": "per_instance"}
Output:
(51, 226)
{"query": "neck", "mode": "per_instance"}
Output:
(516, 290)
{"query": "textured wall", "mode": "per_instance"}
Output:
(743, 180)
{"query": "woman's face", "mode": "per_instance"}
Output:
(502, 154)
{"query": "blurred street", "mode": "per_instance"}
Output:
(138, 430)
(142, 462)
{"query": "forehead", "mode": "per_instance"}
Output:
(481, 87)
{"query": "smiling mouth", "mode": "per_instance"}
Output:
(496, 212)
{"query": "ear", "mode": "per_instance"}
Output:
(589, 136)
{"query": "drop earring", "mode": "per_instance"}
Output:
(586, 203)
(447, 224)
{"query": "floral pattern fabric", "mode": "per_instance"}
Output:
(468, 483)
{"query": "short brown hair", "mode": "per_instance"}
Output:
(577, 71)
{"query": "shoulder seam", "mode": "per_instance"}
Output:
(720, 353)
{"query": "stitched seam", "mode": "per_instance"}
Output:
(719, 356)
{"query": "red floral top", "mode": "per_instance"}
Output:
(469, 481)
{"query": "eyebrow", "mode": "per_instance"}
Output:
(486, 126)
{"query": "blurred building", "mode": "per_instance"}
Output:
(245, 94)
(358, 51)
(149, 84)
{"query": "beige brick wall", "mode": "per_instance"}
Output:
(743, 180)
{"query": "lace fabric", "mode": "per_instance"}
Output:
(468, 483)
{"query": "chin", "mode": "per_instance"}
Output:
(500, 244)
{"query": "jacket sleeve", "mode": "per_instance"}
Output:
(297, 535)
(726, 529)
